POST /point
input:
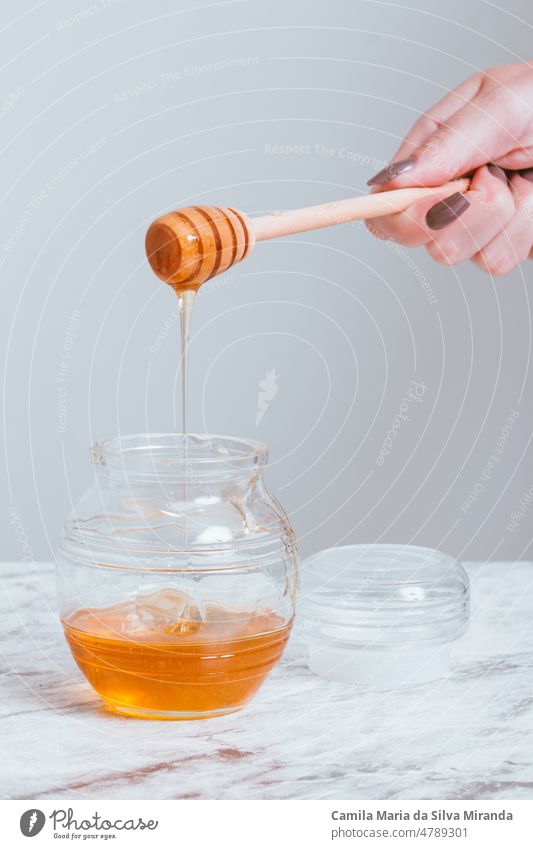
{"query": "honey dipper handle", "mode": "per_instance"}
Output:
(352, 209)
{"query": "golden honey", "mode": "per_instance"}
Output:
(160, 657)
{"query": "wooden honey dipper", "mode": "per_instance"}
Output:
(189, 246)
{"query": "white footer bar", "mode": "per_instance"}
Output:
(187, 824)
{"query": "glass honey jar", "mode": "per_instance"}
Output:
(177, 575)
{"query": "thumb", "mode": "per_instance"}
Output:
(473, 136)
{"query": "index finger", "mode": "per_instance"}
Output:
(433, 118)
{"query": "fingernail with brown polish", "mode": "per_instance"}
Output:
(446, 211)
(527, 174)
(392, 171)
(498, 172)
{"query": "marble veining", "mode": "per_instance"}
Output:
(302, 737)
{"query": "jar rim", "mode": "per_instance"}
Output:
(149, 453)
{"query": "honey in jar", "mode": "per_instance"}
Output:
(159, 656)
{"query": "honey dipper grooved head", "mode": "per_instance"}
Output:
(189, 246)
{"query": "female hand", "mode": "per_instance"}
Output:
(482, 127)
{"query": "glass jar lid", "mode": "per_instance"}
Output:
(382, 615)
(382, 595)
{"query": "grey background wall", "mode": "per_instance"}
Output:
(115, 111)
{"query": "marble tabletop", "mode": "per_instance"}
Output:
(302, 737)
